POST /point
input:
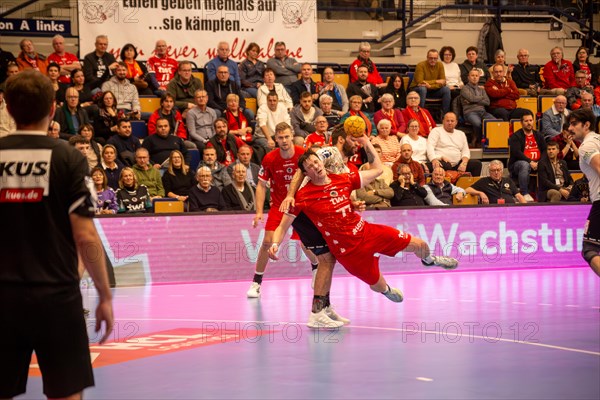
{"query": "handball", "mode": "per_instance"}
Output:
(355, 126)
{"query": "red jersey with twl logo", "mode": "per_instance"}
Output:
(531, 148)
(164, 69)
(279, 172)
(330, 208)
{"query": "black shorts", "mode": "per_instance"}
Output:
(591, 233)
(50, 321)
(310, 236)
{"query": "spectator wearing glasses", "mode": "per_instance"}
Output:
(364, 54)
(430, 81)
(574, 93)
(559, 74)
(495, 189)
(422, 115)
(527, 76)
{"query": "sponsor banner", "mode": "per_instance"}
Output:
(193, 28)
(39, 27)
(167, 249)
(24, 175)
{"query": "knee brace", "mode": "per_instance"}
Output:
(589, 251)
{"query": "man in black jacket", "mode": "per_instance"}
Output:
(99, 64)
(304, 84)
(406, 191)
(554, 178)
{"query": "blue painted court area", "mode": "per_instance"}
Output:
(529, 334)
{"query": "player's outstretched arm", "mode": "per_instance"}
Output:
(278, 235)
(288, 202)
(90, 248)
(376, 166)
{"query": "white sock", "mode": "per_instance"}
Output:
(428, 259)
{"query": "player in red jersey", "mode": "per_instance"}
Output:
(278, 168)
(163, 66)
(353, 241)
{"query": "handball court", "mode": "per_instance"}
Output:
(516, 334)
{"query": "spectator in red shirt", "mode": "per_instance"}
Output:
(67, 61)
(364, 52)
(559, 74)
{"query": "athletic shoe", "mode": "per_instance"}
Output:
(442, 261)
(321, 320)
(394, 295)
(254, 291)
(528, 198)
(335, 316)
(314, 278)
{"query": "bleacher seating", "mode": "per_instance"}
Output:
(546, 101)
(466, 181)
(194, 158)
(528, 103)
(167, 205)
(467, 200)
(495, 134)
(139, 129)
(149, 103)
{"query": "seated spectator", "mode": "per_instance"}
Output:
(303, 118)
(244, 156)
(239, 195)
(587, 102)
(388, 112)
(222, 59)
(132, 197)
(53, 130)
(251, 70)
(226, 144)
(417, 143)
(503, 94)
(335, 91)
(125, 93)
(406, 191)
(473, 62)
(148, 175)
(85, 94)
(569, 147)
(320, 137)
(304, 84)
(184, 87)
(496, 189)
(554, 118)
(218, 89)
(527, 76)
(53, 72)
(137, 73)
(237, 123)
(582, 63)
(363, 58)
(28, 58)
(444, 190)
(205, 196)
(574, 93)
(554, 179)
(474, 100)
(332, 116)
(93, 156)
(447, 147)
(106, 199)
(162, 66)
(173, 116)
(106, 117)
(7, 122)
(526, 147)
(390, 146)
(179, 178)
(368, 92)
(81, 144)
(161, 145)
(112, 165)
(559, 74)
(268, 116)
(71, 116)
(356, 108)
(200, 120)
(220, 177)
(406, 157)
(580, 191)
(6, 58)
(286, 68)
(422, 115)
(500, 59)
(430, 81)
(376, 194)
(451, 70)
(270, 86)
(395, 87)
(98, 65)
(125, 143)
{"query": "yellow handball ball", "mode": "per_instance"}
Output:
(355, 126)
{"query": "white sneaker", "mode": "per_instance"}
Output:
(394, 295)
(254, 291)
(335, 316)
(314, 278)
(528, 198)
(442, 261)
(320, 320)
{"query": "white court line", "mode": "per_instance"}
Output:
(412, 331)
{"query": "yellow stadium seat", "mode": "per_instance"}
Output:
(251, 104)
(528, 103)
(546, 101)
(168, 206)
(467, 200)
(149, 104)
(576, 175)
(516, 124)
(342, 79)
(496, 132)
(466, 181)
(199, 75)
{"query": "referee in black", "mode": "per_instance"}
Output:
(46, 211)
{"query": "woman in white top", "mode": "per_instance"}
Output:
(271, 86)
(452, 70)
(417, 142)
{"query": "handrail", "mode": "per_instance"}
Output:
(17, 8)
